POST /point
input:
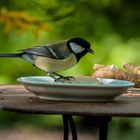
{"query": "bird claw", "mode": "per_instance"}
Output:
(63, 79)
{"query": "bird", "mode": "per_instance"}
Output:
(55, 57)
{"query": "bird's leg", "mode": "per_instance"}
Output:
(64, 77)
(51, 75)
(59, 77)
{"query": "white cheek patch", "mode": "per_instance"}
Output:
(76, 48)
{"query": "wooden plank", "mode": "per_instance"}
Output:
(17, 98)
(8, 90)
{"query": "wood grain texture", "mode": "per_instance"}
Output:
(17, 98)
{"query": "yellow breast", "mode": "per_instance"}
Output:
(53, 65)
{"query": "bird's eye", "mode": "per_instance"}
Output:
(76, 48)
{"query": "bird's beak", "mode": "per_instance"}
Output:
(90, 51)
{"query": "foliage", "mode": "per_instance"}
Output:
(112, 27)
(21, 21)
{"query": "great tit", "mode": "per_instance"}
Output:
(55, 57)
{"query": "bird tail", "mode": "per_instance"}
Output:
(11, 55)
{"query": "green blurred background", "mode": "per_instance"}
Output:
(111, 26)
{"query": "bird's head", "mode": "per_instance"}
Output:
(79, 47)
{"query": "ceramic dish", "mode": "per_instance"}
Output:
(84, 89)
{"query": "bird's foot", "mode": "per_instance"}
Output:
(64, 78)
(61, 78)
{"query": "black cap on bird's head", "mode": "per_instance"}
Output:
(79, 47)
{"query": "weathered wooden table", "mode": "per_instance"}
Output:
(16, 98)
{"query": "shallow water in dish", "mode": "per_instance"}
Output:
(83, 89)
(78, 81)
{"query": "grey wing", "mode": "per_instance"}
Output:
(54, 51)
(39, 51)
(60, 49)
